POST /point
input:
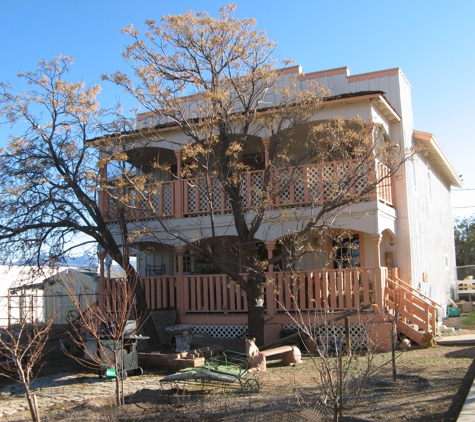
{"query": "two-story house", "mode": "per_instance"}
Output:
(399, 251)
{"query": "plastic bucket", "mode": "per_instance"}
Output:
(110, 373)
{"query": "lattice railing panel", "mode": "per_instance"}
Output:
(257, 181)
(155, 201)
(216, 189)
(203, 195)
(328, 174)
(192, 198)
(284, 178)
(167, 199)
(244, 190)
(299, 185)
(344, 178)
(313, 181)
(361, 175)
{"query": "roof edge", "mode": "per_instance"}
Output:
(429, 140)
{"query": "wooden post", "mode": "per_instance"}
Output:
(270, 296)
(266, 141)
(380, 282)
(180, 291)
(100, 288)
(103, 199)
(178, 186)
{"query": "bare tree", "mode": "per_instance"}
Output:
(48, 173)
(215, 82)
(100, 329)
(343, 360)
(22, 349)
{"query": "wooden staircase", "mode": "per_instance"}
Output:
(414, 311)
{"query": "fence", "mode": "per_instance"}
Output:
(465, 271)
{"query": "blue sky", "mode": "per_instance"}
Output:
(432, 41)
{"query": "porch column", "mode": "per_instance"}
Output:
(379, 282)
(180, 291)
(103, 196)
(270, 296)
(178, 186)
(266, 142)
(99, 291)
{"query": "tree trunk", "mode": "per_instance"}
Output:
(117, 376)
(255, 316)
(33, 410)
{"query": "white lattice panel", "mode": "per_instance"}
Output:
(112, 209)
(313, 180)
(222, 331)
(244, 190)
(203, 195)
(299, 189)
(284, 178)
(358, 333)
(328, 180)
(143, 211)
(343, 171)
(361, 178)
(155, 201)
(133, 203)
(192, 198)
(167, 199)
(216, 194)
(257, 187)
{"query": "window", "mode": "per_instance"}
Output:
(346, 252)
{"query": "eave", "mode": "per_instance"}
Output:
(437, 156)
(376, 97)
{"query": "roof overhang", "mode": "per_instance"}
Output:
(437, 156)
(376, 97)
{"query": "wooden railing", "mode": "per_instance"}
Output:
(325, 289)
(413, 309)
(312, 184)
(156, 200)
(213, 293)
(289, 291)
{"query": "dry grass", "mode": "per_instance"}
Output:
(431, 386)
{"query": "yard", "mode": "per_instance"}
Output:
(431, 386)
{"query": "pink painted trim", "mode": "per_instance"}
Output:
(142, 116)
(374, 75)
(424, 136)
(291, 69)
(353, 99)
(323, 73)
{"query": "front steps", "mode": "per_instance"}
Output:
(413, 310)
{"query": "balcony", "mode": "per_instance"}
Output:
(305, 185)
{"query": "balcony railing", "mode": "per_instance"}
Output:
(305, 185)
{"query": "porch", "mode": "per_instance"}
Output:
(215, 300)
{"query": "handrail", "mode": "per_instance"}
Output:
(416, 292)
(412, 294)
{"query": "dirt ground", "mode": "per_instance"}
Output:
(431, 386)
